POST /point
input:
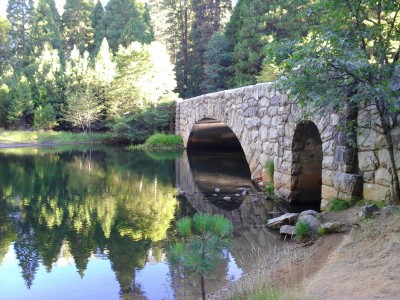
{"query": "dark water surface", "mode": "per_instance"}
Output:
(79, 223)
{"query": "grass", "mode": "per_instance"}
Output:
(62, 137)
(263, 282)
(162, 140)
(339, 205)
(269, 170)
(264, 291)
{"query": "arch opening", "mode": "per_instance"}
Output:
(217, 162)
(307, 154)
(211, 134)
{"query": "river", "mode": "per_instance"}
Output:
(94, 223)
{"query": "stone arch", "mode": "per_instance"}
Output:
(307, 163)
(212, 134)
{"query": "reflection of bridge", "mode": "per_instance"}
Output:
(249, 214)
(311, 157)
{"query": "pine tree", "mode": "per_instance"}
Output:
(4, 45)
(19, 14)
(77, 29)
(217, 59)
(45, 27)
(124, 21)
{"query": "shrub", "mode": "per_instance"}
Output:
(321, 231)
(302, 231)
(161, 140)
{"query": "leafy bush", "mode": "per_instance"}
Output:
(162, 140)
(140, 125)
(321, 231)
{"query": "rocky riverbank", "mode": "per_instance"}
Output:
(363, 262)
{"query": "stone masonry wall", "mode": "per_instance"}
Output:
(265, 121)
(373, 158)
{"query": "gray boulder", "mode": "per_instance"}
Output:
(287, 230)
(331, 227)
(312, 222)
(285, 219)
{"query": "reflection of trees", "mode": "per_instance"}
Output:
(27, 255)
(122, 201)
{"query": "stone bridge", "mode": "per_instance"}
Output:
(310, 156)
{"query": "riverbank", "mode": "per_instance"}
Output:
(360, 263)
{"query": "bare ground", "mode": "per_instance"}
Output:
(361, 263)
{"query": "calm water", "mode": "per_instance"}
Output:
(94, 223)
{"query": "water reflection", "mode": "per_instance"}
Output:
(84, 205)
(94, 223)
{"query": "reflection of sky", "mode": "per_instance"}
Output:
(99, 281)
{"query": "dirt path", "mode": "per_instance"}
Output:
(362, 263)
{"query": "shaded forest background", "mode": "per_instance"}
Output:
(120, 67)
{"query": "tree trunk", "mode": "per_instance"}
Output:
(203, 288)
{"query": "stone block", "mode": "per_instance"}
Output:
(368, 176)
(383, 158)
(335, 119)
(266, 120)
(273, 134)
(370, 140)
(350, 184)
(367, 161)
(375, 192)
(328, 192)
(383, 177)
(327, 177)
(285, 219)
(328, 162)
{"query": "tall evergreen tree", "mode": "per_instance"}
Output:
(77, 29)
(19, 14)
(208, 16)
(124, 21)
(4, 45)
(45, 27)
(217, 59)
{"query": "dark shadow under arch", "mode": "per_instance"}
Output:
(307, 154)
(211, 134)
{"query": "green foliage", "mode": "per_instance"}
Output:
(217, 59)
(11, 137)
(351, 58)
(321, 231)
(123, 28)
(302, 231)
(205, 236)
(139, 125)
(77, 29)
(4, 45)
(144, 78)
(339, 204)
(269, 189)
(44, 118)
(19, 14)
(162, 140)
(269, 170)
